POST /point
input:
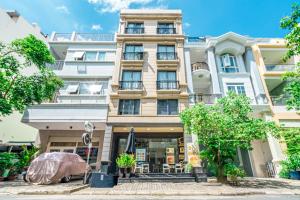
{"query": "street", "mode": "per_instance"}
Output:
(142, 197)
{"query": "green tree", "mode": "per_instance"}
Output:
(292, 88)
(223, 128)
(18, 88)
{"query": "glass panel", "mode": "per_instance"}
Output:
(162, 107)
(91, 56)
(84, 88)
(129, 106)
(136, 107)
(173, 107)
(241, 89)
(101, 56)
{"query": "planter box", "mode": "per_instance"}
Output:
(102, 180)
(295, 175)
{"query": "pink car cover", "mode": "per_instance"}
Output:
(50, 168)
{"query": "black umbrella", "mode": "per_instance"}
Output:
(130, 148)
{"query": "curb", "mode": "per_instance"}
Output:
(67, 191)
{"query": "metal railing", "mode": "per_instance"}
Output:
(60, 37)
(194, 40)
(279, 100)
(93, 37)
(130, 85)
(135, 30)
(57, 65)
(167, 85)
(133, 55)
(279, 68)
(199, 65)
(161, 30)
(166, 56)
(205, 98)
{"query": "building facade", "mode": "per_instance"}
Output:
(85, 63)
(14, 26)
(149, 87)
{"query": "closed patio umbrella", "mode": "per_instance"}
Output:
(130, 148)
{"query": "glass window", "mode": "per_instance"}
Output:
(166, 52)
(165, 28)
(167, 80)
(131, 80)
(167, 107)
(229, 63)
(91, 56)
(135, 25)
(129, 106)
(237, 88)
(101, 56)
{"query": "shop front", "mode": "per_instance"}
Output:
(154, 150)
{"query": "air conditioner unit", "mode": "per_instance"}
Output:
(226, 60)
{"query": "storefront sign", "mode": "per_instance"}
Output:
(140, 155)
(193, 154)
(170, 155)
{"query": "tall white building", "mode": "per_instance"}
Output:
(14, 26)
(85, 62)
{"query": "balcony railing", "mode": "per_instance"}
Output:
(82, 37)
(167, 85)
(135, 30)
(205, 98)
(130, 85)
(57, 65)
(279, 100)
(166, 56)
(199, 65)
(166, 30)
(194, 40)
(279, 68)
(133, 55)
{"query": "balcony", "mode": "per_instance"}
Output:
(57, 65)
(167, 85)
(82, 37)
(130, 85)
(280, 68)
(278, 100)
(132, 59)
(195, 41)
(134, 30)
(166, 31)
(205, 98)
(201, 74)
(167, 59)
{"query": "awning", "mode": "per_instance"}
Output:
(95, 89)
(72, 88)
(78, 54)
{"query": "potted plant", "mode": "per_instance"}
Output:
(9, 166)
(125, 162)
(233, 173)
(290, 167)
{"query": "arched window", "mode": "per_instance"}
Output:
(229, 64)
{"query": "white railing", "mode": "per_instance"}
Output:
(82, 37)
(279, 68)
(61, 37)
(57, 65)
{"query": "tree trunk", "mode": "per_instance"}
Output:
(220, 174)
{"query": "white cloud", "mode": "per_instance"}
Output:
(186, 24)
(63, 9)
(96, 27)
(111, 6)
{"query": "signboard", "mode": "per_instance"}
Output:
(193, 155)
(140, 155)
(170, 155)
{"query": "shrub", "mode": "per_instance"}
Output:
(125, 161)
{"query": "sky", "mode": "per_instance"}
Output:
(255, 18)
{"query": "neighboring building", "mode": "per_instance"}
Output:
(149, 87)
(85, 62)
(14, 26)
(216, 65)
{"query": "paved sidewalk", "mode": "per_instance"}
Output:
(20, 187)
(250, 186)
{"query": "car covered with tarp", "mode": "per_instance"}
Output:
(50, 168)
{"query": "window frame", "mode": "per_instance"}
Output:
(233, 65)
(167, 101)
(237, 88)
(130, 101)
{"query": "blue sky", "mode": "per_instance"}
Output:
(256, 18)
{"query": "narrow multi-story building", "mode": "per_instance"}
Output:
(85, 62)
(149, 87)
(217, 65)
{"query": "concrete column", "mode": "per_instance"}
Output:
(188, 70)
(213, 71)
(240, 63)
(255, 77)
(106, 149)
(276, 151)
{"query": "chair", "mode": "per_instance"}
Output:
(146, 168)
(138, 167)
(166, 167)
(178, 167)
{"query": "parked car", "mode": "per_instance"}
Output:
(49, 168)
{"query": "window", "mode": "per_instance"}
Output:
(131, 80)
(89, 88)
(237, 88)
(166, 80)
(133, 52)
(129, 106)
(84, 88)
(78, 55)
(167, 107)
(101, 56)
(72, 88)
(91, 56)
(134, 28)
(166, 52)
(229, 64)
(165, 28)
